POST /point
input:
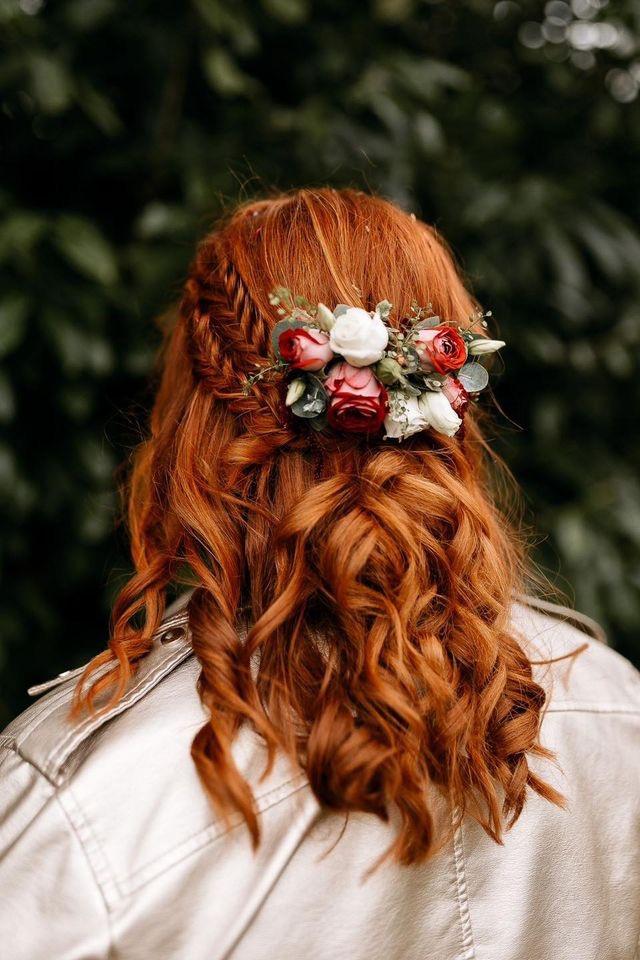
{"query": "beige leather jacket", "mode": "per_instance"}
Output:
(109, 848)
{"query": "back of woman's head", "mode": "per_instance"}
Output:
(353, 595)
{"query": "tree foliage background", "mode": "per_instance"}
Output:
(514, 126)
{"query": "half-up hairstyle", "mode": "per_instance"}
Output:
(353, 596)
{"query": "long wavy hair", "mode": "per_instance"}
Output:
(353, 596)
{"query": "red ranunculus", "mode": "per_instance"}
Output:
(358, 400)
(456, 395)
(441, 348)
(305, 349)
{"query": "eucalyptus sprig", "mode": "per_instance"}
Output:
(273, 368)
(480, 317)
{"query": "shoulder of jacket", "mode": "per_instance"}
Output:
(598, 679)
(566, 615)
(535, 609)
(46, 737)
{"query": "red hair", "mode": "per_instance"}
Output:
(376, 580)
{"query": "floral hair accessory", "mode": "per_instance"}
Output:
(350, 371)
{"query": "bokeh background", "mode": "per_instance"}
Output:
(128, 124)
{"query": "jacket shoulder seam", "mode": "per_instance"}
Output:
(56, 798)
(11, 744)
(42, 711)
(74, 737)
(50, 753)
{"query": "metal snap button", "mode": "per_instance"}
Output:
(176, 633)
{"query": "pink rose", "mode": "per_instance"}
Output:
(305, 349)
(456, 395)
(441, 348)
(358, 400)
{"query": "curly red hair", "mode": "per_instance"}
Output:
(353, 597)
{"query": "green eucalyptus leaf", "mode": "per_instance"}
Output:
(473, 377)
(319, 423)
(308, 407)
(427, 324)
(313, 401)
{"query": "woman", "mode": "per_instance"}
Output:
(351, 736)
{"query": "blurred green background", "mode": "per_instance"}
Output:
(126, 126)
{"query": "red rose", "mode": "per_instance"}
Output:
(441, 348)
(456, 395)
(358, 400)
(305, 349)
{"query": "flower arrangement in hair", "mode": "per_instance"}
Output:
(352, 372)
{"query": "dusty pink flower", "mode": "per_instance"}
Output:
(456, 395)
(358, 400)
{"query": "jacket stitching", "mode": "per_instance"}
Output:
(127, 889)
(212, 832)
(77, 824)
(575, 707)
(461, 888)
(68, 819)
(10, 745)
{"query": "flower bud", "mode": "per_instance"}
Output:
(296, 388)
(482, 345)
(325, 318)
(388, 370)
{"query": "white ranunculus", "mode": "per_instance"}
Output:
(359, 337)
(405, 416)
(438, 412)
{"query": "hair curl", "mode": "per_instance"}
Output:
(353, 597)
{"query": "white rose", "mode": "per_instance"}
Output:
(359, 337)
(439, 413)
(404, 418)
